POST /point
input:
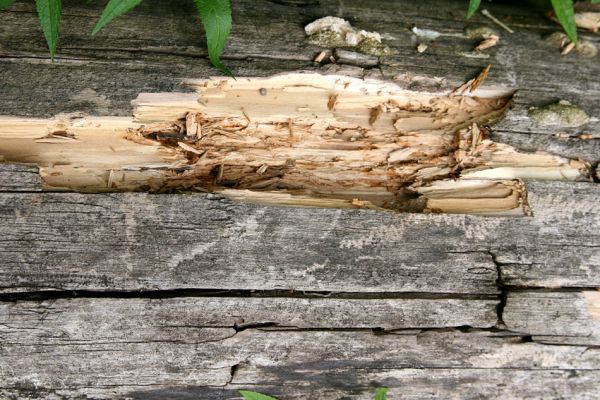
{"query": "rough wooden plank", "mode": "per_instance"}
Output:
(135, 318)
(104, 74)
(138, 241)
(571, 317)
(579, 267)
(19, 178)
(334, 361)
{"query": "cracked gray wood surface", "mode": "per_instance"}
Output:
(192, 296)
(134, 241)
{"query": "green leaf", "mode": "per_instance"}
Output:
(566, 16)
(473, 6)
(216, 18)
(113, 9)
(6, 3)
(248, 395)
(49, 14)
(381, 393)
(595, 1)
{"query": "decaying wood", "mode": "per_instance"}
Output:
(216, 262)
(305, 139)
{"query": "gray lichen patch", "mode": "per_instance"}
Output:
(560, 40)
(373, 47)
(562, 113)
(327, 39)
(336, 32)
(480, 32)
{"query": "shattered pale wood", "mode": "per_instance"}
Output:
(311, 139)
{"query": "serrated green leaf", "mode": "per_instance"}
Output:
(473, 6)
(381, 393)
(113, 9)
(566, 16)
(6, 3)
(216, 18)
(49, 14)
(248, 395)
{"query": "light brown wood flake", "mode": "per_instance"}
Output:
(487, 43)
(332, 101)
(189, 148)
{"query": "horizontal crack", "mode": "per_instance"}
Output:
(38, 295)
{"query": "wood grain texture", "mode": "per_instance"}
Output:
(344, 363)
(135, 241)
(555, 317)
(104, 318)
(403, 272)
(105, 73)
(19, 178)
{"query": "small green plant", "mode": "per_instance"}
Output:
(381, 394)
(214, 14)
(564, 10)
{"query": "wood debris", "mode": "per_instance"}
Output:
(189, 148)
(327, 140)
(472, 84)
(332, 101)
(489, 15)
(588, 20)
(320, 57)
(487, 43)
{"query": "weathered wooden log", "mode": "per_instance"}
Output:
(131, 295)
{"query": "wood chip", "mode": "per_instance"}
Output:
(332, 101)
(421, 48)
(189, 148)
(320, 57)
(193, 128)
(471, 85)
(487, 43)
(262, 169)
(375, 113)
(567, 49)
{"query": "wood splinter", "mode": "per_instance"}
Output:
(297, 139)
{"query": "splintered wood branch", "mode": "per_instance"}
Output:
(298, 139)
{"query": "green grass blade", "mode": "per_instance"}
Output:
(381, 393)
(6, 3)
(248, 395)
(566, 16)
(49, 14)
(216, 18)
(113, 9)
(473, 6)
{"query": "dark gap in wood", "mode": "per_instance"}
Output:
(503, 295)
(254, 325)
(595, 172)
(172, 293)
